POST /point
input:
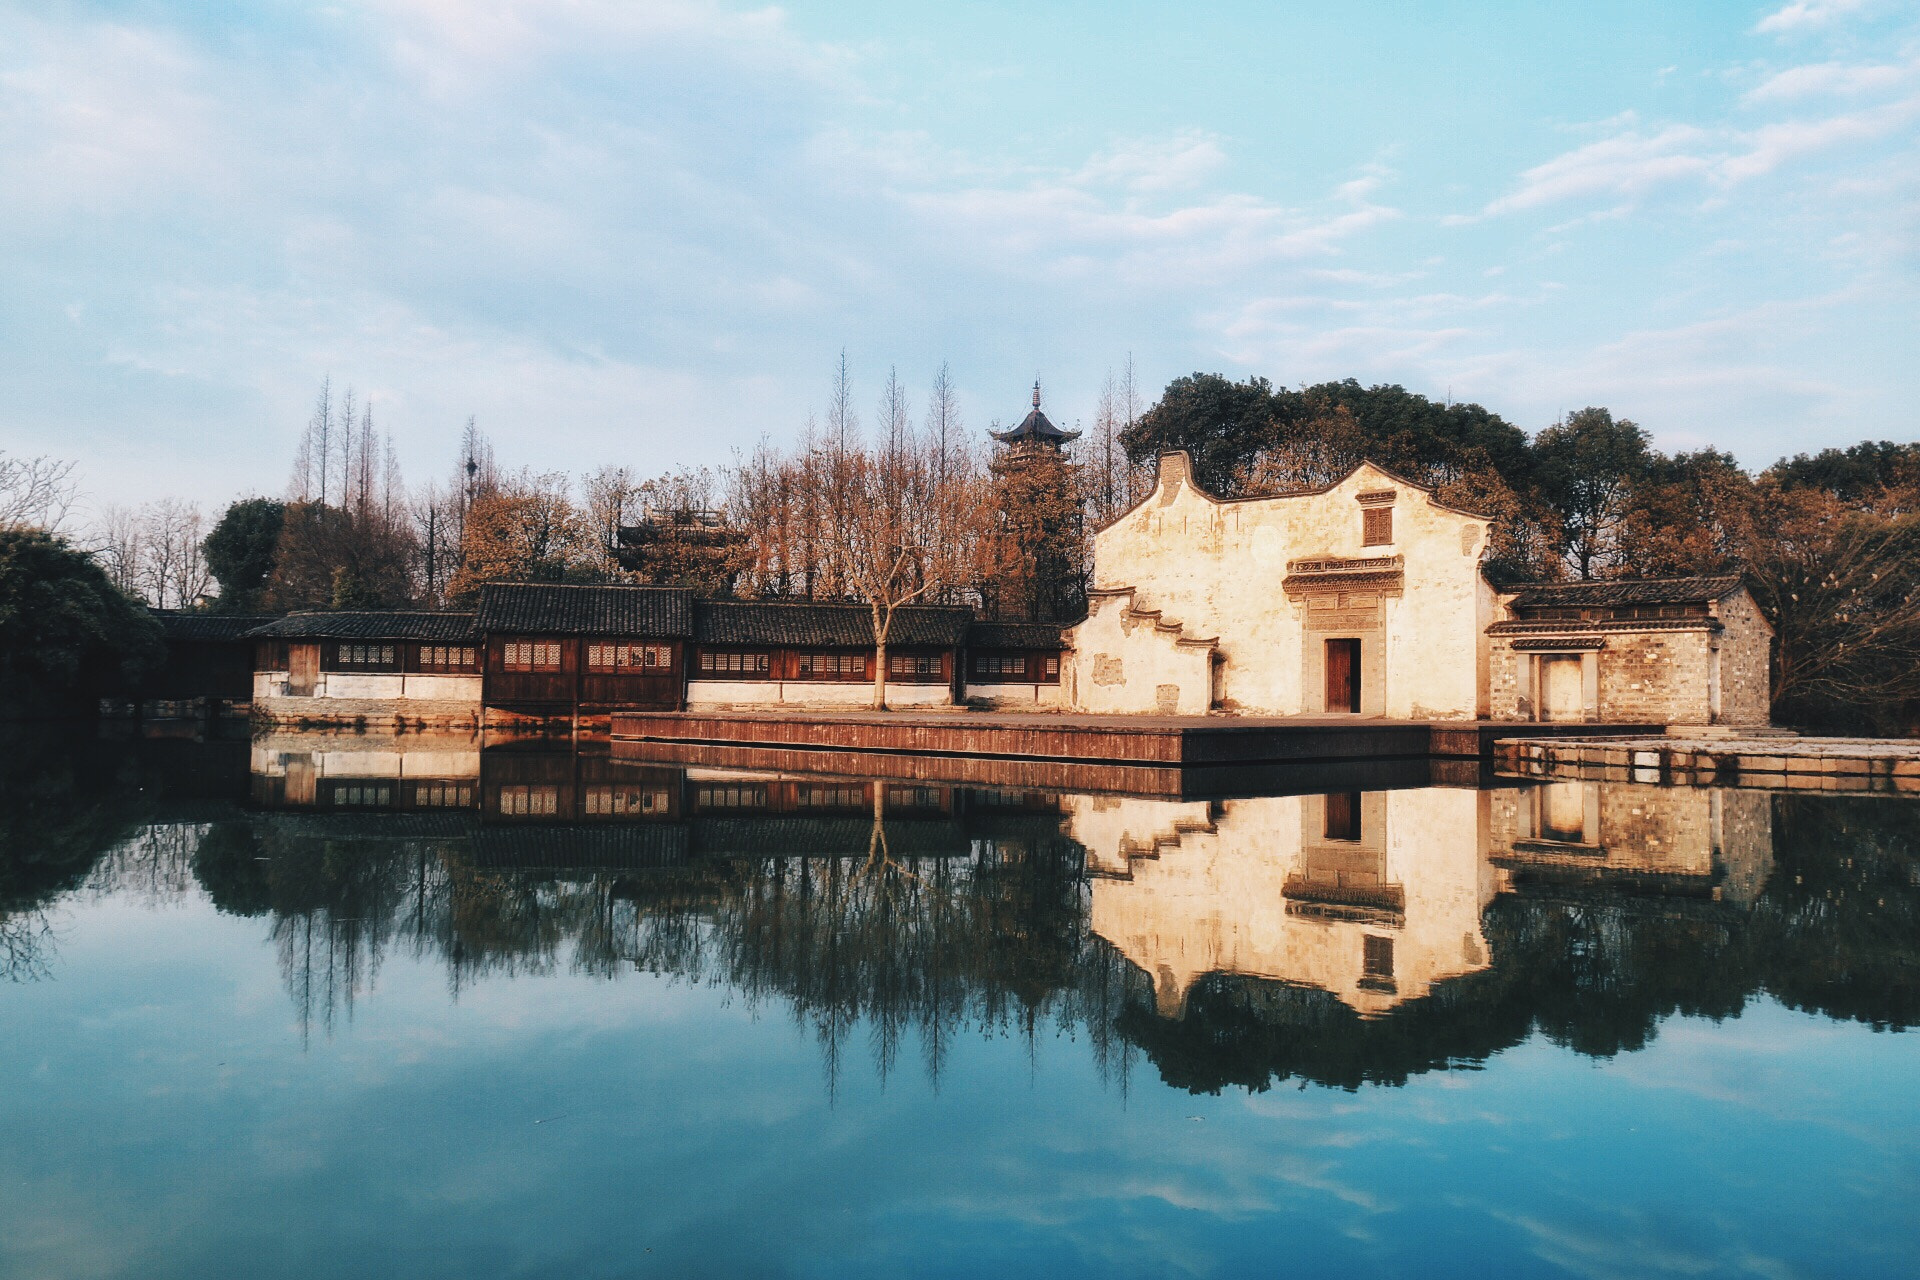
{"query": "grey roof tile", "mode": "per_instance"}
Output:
(1698, 590)
(784, 623)
(446, 628)
(549, 609)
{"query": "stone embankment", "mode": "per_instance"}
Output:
(1772, 763)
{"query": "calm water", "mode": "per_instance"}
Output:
(338, 1007)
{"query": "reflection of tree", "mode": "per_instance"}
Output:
(970, 920)
(60, 810)
(1840, 919)
(1836, 932)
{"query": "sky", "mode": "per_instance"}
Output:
(643, 233)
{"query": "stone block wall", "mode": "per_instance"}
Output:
(1746, 662)
(1656, 677)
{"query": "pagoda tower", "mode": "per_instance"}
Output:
(1036, 434)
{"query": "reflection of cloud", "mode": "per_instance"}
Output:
(1627, 1247)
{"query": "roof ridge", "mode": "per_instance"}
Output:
(587, 586)
(1607, 582)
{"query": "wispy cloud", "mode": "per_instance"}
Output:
(1631, 164)
(1830, 79)
(1801, 15)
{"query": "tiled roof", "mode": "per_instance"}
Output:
(662, 612)
(1626, 591)
(208, 627)
(773, 622)
(1014, 635)
(799, 836)
(448, 628)
(625, 846)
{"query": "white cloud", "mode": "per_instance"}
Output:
(1829, 79)
(1627, 164)
(1149, 165)
(1631, 165)
(1801, 15)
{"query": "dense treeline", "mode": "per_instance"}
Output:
(916, 507)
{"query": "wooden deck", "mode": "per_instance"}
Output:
(1155, 742)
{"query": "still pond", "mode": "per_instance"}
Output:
(338, 1006)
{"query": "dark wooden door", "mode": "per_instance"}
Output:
(1343, 675)
(303, 669)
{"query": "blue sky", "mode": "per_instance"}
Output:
(642, 233)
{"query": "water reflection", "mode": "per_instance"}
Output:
(1344, 937)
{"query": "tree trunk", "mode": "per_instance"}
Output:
(880, 630)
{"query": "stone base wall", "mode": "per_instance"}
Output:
(370, 713)
(802, 694)
(1012, 697)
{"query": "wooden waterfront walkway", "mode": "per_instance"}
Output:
(1153, 741)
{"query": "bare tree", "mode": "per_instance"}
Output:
(843, 422)
(894, 526)
(118, 542)
(170, 571)
(943, 414)
(1127, 408)
(35, 493)
(313, 461)
(612, 499)
(1106, 487)
(895, 423)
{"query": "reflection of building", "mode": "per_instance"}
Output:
(1567, 838)
(340, 772)
(1372, 896)
(1376, 897)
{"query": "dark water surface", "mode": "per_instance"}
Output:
(333, 1006)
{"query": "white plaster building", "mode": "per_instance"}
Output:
(1367, 598)
(1364, 597)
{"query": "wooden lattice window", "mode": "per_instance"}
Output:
(629, 657)
(744, 664)
(1376, 526)
(532, 657)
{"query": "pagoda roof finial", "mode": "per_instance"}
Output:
(1035, 429)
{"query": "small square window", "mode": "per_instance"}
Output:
(1376, 526)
